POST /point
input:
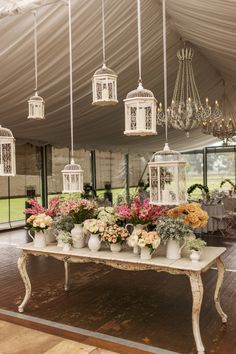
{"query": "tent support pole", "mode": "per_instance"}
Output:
(44, 176)
(205, 167)
(93, 170)
(127, 194)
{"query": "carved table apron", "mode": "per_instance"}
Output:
(131, 262)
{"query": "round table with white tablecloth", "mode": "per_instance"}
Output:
(212, 210)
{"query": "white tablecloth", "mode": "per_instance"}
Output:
(213, 224)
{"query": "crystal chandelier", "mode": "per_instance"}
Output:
(222, 122)
(72, 173)
(186, 111)
(36, 103)
(104, 81)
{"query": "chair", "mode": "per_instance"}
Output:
(226, 219)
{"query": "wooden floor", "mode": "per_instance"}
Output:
(145, 307)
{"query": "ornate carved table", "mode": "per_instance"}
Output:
(129, 261)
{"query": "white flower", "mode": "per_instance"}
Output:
(141, 243)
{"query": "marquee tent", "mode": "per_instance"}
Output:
(209, 26)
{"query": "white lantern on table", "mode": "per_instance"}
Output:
(7, 153)
(167, 178)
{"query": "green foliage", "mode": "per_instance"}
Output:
(195, 244)
(227, 180)
(172, 229)
(203, 188)
(63, 222)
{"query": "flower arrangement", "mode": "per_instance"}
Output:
(65, 237)
(172, 229)
(192, 214)
(107, 215)
(79, 209)
(144, 238)
(139, 212)
(195, 244)
(94, 226)
(114, 234)
(36, 208)
(40, 222)
(63, 222)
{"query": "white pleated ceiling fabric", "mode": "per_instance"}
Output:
(208, 25)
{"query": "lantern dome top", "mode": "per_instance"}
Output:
(104, 70)
(36, 97)
(72, 167)
(140, 91)
(166, 155)
(4, 132)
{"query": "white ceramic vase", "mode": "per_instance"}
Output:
(195, 255)
(60, 243)
(173, 249)
(50, 236)
(66, 247)
(39, 239)
(115, 247)
(136, 228)
(145, 253)
(77, 234)
(94, 243)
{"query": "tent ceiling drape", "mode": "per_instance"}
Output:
(209, 25)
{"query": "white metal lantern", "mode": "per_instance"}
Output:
(104, 86)
(72, 178)
(7, 153)
(167, 178)
(36, 104)
(36, 107)
(140, 112)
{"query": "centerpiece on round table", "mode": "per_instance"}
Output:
(177, 226)
(115, 236)
(80, 210)
(96, 228)
(39, 224)
(139, 215)
(147, 241)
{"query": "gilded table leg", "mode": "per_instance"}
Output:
(22, 261)
(67, 269)
(221, 271)
(197, 292)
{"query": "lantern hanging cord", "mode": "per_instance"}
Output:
(139, 41)
(71, 83)
(35, 52)
(103, 34)
(165, 66)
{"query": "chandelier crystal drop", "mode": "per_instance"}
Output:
(7, 153)
(36, 104)
(186, 110)
(104, 81)
(72, 173)
(167, 175)
(140, 104)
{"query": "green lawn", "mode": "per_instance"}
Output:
(17, 205)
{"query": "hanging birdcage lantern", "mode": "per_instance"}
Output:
(104, 81)
(72, 178)
(72, 173)
(104, 87)
(7, 153)
(140, 104)
(140, 112)
(36, 104)
(167, 178)
(36, 107)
